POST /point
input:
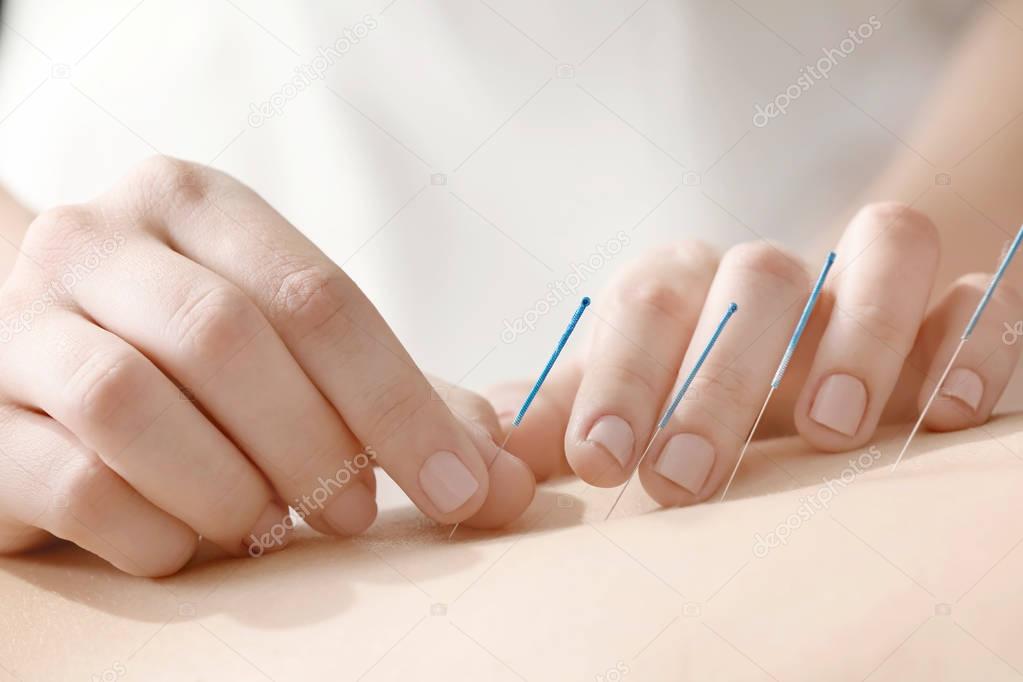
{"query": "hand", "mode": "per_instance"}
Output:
(179, 361)
(872, 353)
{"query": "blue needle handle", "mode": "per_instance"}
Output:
(994, 284)
(550, 363)
(696, 368)
(807, 311)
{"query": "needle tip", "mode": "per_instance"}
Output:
(585, 301)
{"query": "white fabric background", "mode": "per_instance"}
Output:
(651, 134)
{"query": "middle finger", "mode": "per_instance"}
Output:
(642, 329)
(211, 338)
(698, 448)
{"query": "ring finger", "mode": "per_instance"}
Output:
(63, 488)
(204, 332)
(641, 333)
(119, 405)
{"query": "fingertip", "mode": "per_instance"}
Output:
(949, 414)
(455, 488)
(349, 511)
(368, 476)
(511, 492)
(271, 532)
(958, 403)
(601, 456)
(834, 416)
(664, 491)
(539, 441)
(175, 554)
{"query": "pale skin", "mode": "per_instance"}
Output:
(214, 367)
(287, 374)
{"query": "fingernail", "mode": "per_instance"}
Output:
(686, 460)
(840, 404)
(615, 435)
(271, 532)
(352, 509)
(446, 481)
(965, 385)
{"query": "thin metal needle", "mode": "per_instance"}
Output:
(966, 337)
(583, 305)
(742, 453)
(678, 398)
(930, 401)
(811, 303)
(626, 486)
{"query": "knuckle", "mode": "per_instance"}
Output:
(87, 487)
(628, 379)
(165, 179)
(1010, 295)
(690, 254)
(727, 386)
(903, 226)
(56, 234)
(106, 385)
(307, 297)
(213, 325)
(882, 323)
(393, 406)
(968, 289)
(762, 259)
(1002, 318)
(659, 281)
(660, 297)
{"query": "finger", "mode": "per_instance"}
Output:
(332, 330)
(206, 334)
(539, 440)
(123, 408)
(698, 448)
(886, 268)
(53, 482)
(986, 364)
(642, 329)
(512, 485)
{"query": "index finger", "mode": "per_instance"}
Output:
(330, 327)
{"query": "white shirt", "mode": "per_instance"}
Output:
(463, 159)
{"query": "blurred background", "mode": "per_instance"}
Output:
(463, 158)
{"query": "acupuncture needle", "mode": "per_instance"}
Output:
(678, 399)
(785, 360)
(985, 299)
(539, 382)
